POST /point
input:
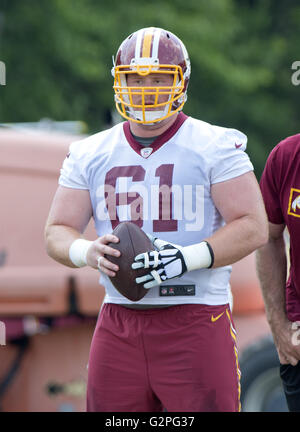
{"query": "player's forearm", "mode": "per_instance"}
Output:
(58, 240)
(271, 266)
(237, 239)
(229, 244)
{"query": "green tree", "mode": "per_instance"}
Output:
(58, 55)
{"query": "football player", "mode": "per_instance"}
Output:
(280, 186)
(190, 186)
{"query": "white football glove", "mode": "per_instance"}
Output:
(167, 261)
(171, 261)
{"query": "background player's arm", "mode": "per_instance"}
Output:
(272, 273)
(240, 203)
(271, 266)
(68, 218)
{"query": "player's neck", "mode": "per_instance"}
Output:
(156, 129)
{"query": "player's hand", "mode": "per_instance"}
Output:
(165, 263)
(95, 255)
(159, 243)
(286, 341)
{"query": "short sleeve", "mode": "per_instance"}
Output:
(269, 189)
(72, 171)
(230, 159)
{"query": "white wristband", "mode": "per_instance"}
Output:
(78, 251)
(198, 256)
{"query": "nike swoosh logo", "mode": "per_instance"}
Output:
(238, 145)
(213, 319)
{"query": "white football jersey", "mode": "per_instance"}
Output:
(165, 189)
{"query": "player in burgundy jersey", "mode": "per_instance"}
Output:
(190, 186)
(280, 186)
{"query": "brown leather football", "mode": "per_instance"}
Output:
(133, 241)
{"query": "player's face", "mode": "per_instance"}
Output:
(150, 82)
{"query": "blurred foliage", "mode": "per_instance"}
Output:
(58, 56)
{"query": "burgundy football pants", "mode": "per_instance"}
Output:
(180, 359)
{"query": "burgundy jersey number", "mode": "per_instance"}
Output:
(165, 221)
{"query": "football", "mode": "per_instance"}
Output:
(133, 241)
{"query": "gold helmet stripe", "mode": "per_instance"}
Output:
(147, 42)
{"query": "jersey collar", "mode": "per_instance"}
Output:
(158, 142)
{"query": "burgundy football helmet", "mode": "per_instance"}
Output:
(145, 52)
